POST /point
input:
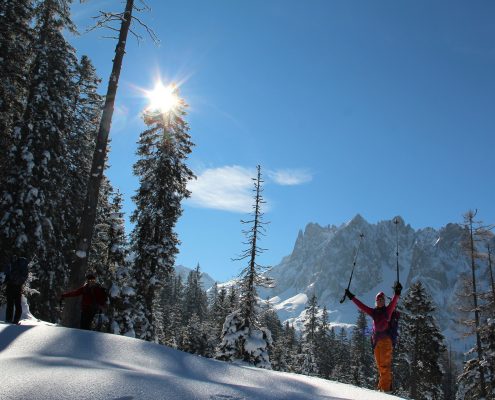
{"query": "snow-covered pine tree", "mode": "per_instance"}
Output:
(195, 298)
(170, 306)
(119, 271)
(285, 350)
(163, 175)
(100, 245)
(307, 359)
(487, 327)
(270, 320)
(400, 362)
(85, 231)
(243, 338)
(16, 40)
(362, 362)
(342, 370)
(195, 338)
(81, 141)
(218, 311)
(449, 383)
(325, 338)
(16, 37)
(33, 204)
(311, 320)
(472, 381)
(232, 299)
(423, 345)
(487, 335)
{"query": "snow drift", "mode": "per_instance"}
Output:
(49, 362)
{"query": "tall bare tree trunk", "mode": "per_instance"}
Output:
(491, 273)
(71, 314)
(469, 217)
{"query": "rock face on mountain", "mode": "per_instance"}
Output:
(322, 259)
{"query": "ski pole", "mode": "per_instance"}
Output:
(396, 222)
(361, 236)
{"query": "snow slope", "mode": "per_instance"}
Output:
(49, 362)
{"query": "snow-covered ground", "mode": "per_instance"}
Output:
(41, 361)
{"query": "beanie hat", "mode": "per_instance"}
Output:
(381, 294)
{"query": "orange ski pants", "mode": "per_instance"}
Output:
(383, 358)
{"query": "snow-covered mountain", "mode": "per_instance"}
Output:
(322, 259)
(206, 280)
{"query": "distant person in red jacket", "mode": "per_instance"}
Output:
(94, 299)
(381, 336)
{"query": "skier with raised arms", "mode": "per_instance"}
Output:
(382, 335)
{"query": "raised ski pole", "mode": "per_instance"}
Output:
(396, 222)
(361, 236)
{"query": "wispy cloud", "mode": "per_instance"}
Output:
(290, 177)
(230, 188)
(226, 188)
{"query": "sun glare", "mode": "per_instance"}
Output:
(162, 98)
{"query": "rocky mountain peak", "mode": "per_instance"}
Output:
(322, 259)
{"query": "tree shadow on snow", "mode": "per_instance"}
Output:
(10, 333)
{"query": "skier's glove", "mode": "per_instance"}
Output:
(398, 288)
(349, 294)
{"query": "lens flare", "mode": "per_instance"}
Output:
(162, 99)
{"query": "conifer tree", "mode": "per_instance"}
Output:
(218, 312)
(342, 372)
(33, 204)
(195, 337)
(326, 346)
(311, 320)
(163, 175)
(449, 383)
(285, 350)
(472, 381)
(423, 345)
(100, 245)
(242, 336)
(279, 356)
(487, 324)
(270, 320)
(362, 362)
(307, 357)
(195, 298)
(252, 275)
(81, 141)
(171, 308)
(16, 41)
(122, 283)
(83, 242)
(233, 298)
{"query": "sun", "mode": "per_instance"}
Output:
(162, 99)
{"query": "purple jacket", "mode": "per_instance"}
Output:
(381, 317)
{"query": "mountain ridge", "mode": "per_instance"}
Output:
(322, 258)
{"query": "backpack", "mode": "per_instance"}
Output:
(18, 272)
(393, 327)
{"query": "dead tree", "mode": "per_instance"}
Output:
(473, 231)
(79, 265)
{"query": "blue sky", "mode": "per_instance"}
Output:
(381, 108)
